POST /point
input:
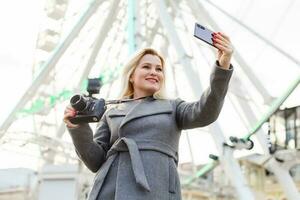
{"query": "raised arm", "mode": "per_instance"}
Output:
(207, 109)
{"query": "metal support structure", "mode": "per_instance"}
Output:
(164, 52)
(284, 178)
(154, 31)
(174, 6)
(124, 42)
(131, 10)
(97, 46)
(282, 175)
(167, 23)
(274, 106)
(249, 113)
(204, 170)
(49, 65)
(231, 166)
(280, 170)
(288, 184)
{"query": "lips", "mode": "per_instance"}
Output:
(153, 80)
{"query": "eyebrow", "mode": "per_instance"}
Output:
(150, 64)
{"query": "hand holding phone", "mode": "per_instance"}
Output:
(218, 40)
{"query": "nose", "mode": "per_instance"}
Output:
(153, 71)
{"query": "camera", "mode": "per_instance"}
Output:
(88, 108)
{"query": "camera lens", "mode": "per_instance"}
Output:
(78, 102)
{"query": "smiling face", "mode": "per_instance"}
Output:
(148, 76)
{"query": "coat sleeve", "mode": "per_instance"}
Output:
(91, 149)
(207, 109)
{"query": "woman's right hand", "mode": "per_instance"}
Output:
(69, 113)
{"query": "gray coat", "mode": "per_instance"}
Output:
(135, 148)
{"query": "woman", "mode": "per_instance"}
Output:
(135, 147)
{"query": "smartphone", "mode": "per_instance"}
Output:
(203, 34)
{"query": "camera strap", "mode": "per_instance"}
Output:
(122, 100)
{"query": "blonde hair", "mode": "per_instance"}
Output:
(128, 90)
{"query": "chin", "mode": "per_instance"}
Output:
(152, 90)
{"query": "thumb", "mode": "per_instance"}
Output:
(219, 54)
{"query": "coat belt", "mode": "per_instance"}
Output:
(135, 157)
(133, 147)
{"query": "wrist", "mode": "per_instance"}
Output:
(223, 65)
(72, 126)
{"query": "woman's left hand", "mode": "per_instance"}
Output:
(225, 49)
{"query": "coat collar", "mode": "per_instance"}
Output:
(146, 107)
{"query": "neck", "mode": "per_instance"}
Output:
(137, 96)
(141, 97)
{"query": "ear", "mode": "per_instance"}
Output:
(131, 78)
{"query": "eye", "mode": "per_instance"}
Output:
(159, 69)
(145, 66)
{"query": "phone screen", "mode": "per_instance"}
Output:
(203, 34)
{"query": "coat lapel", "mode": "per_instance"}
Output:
(117, 113)
(147, 107)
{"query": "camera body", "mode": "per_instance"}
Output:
(88, 109)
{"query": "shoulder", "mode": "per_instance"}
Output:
(173, 102)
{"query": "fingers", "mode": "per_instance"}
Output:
(221, 37)
(221, 47)
(69, 108)
(224, 36)
(222, 42)
(69, 113)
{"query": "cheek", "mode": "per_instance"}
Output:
(161, 78)
(138, 75)
(137, 80)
